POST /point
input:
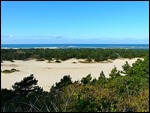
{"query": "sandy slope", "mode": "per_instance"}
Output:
(48, 74)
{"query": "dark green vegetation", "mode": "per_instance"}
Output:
(115, 94)
(64, 54)
(10, 71)
(58, 61)
(40, 59)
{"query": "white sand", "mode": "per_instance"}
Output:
(48, 74)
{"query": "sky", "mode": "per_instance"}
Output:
(74, 22)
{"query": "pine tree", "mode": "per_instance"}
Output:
(25, 86)
(114, 73)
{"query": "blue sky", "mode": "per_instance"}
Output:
(88, 22)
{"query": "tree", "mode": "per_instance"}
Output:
(86, 79)
(102, 75)
(25, 86)
(114, 73)
(102, 79)
(66, 80)
(126, 67)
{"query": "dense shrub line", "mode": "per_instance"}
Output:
(64, 54)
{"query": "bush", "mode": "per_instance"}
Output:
(40, 59)
(58, 61)
(74, 62)
(7, 71)
(10, 71)
(13, 70)
(11, 61)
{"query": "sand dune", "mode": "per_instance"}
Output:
(48, 74)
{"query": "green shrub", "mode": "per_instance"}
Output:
(40, 59)
(58, 61)
(11, 61)
(7, 71)
(13, 70)
(74, 62)
(10, 71)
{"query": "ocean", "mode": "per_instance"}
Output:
(57, 46)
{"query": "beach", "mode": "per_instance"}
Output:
(48, 74)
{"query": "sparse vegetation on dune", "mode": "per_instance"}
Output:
(74, 62)
(58, 61)
(129, 93)
(11, 60)
(7, 71)
(40, 59)
(88, 60)
(83, 61)
(10, 71)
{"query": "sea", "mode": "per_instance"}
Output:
(59, 46)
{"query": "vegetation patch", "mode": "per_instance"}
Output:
(11, 60)
(58, 61)
(7, 71)
(13, 70)
(84, 61)
(40, 59)
(74, 62)
(10, 71)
